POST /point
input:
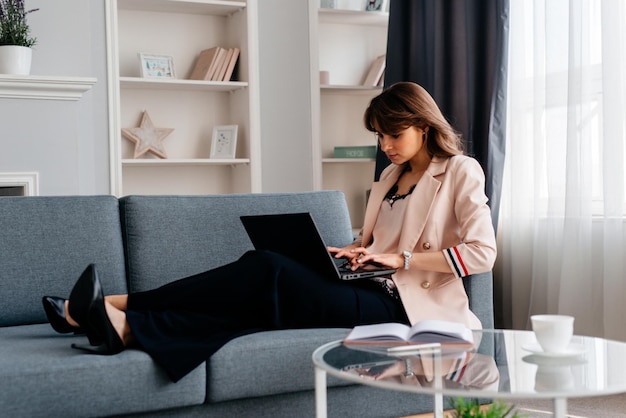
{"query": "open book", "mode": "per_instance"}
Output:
(423, 332)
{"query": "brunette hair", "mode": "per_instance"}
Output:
(407, 104)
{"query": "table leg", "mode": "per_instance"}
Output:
(560, 407)
(320, 393)
(438, 406)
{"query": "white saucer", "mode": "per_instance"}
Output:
(554, 362)
(573, 350)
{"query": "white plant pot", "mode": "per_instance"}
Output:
(15, 59)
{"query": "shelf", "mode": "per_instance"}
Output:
(217, 8)
(44, 87)
(352, 89)
(348, 160)
(180, 84)
(353, 17)
(183, 162)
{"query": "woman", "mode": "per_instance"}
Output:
(428, 215)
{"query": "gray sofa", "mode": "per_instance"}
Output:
(141, 242)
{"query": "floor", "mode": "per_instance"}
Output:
(613, 406)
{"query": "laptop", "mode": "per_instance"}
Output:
(296, 236)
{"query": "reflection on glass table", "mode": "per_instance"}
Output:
(503, 364)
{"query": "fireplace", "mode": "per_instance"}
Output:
(11, 191)
(19, 184)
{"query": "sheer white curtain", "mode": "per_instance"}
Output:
(562, 236)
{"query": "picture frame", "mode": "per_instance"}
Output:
(375, 5)
(224, 142)
(156, 66)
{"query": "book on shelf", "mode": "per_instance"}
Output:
(219, 61)
(381, 82)
(364, 151)
(231, 64)
(219, 74)
(215, 64)
(375, 72)
(423, 332)
(205, 64)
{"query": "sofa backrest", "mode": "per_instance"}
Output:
(46, 243)
(170, 237)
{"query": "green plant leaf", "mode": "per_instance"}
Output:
(471, 408)
(14, 29)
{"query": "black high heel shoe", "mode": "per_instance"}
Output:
(55, 311)
(87, 308)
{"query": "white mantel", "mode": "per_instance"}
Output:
(44, 87)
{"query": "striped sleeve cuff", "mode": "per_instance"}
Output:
(455, 260)
(457, 372)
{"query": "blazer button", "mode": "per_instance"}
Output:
(426, 246)
(426, 285)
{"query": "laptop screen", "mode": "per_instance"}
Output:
(296, 236)
(293, 235)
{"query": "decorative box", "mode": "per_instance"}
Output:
(365, 151)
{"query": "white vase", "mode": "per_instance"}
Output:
(15, 59)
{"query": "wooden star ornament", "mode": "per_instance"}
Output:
(147, 138)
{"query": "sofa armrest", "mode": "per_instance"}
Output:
(479, 288)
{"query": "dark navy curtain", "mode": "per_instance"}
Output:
(457, 50)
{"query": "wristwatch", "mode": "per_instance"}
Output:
(407, 258)
(409, 369)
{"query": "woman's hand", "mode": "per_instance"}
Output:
(382, 371)
(399, 368)
(357, 256)
(395, 261)
(345, 252)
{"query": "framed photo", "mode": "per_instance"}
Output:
(161, 66)
(375, 5)
(224, 142)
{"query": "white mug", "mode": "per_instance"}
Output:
(553, 332)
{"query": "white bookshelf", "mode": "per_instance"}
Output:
(181, 29)
(346, 43)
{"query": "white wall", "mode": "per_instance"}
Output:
(65, 141)
(285, 91)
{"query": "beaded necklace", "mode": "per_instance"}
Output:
(392, 195)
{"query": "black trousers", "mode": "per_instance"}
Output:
(183, 323)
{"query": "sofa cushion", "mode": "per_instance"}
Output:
(268, 363)
(45, 244)
(65, 382)
(170, 237)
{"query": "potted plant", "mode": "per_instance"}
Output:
(15, 38)
(471, 408)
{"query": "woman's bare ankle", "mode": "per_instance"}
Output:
(68, 318)
(118, 320)
(118, 301)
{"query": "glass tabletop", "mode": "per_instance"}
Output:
(503, 364)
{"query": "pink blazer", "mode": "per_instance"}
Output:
(446, 212)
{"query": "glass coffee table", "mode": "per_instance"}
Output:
(504, 364)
